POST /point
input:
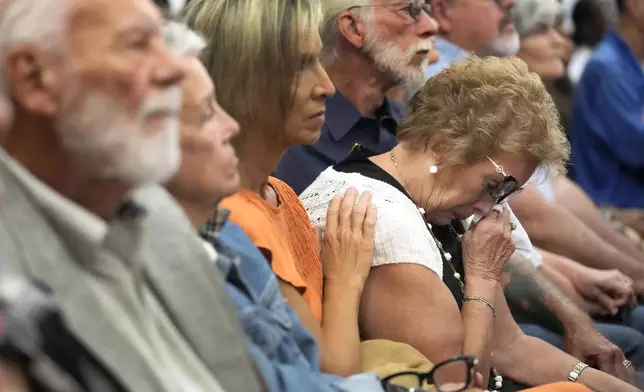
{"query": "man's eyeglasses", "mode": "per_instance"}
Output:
(508, 186)
(454, 375)
(412, 7)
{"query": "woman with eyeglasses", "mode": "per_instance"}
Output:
(472, 137)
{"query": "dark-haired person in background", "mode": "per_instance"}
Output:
(590, 24)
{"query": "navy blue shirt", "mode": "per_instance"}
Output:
(607, 129)
(344, 127)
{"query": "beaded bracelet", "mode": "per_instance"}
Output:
(483, 301)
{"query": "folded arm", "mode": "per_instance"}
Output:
(535, 293)
(571, 197)
(532, 361)
(555, 229)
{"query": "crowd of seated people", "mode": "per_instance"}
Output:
(307, 195)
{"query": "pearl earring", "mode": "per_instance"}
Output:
(433, 169)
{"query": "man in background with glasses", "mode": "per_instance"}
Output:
(370, 46)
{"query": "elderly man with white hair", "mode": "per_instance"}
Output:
(96, 102)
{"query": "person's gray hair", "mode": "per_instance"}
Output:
(330, 32)
(182, 40)
(529, 15)
(38, 22)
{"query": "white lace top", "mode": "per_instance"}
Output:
(401, 233)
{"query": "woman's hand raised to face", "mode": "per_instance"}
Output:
(488, 245)
(348, 239)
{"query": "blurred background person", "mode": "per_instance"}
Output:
(607, 130)
(467, 27)
(589, 25)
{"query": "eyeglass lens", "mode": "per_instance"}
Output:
(452, 376)
(416, 7)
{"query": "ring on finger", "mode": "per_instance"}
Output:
(627, 363)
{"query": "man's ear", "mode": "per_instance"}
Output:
(32, 80)
(441, 12)
(351, 28)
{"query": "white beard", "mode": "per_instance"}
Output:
(109, 143)
(393, 61)
(506, 46)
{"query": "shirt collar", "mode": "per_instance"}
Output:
(120, 234)
(82, 221)
(215, 224)
(226, 260)
(342, 115)
(449, 51)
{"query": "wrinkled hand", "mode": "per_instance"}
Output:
(488, 245)
(588, 345)
(348, 239)
(610, 289)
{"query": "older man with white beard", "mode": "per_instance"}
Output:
(96, 103)
(370, 46)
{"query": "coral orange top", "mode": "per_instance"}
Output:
(285, 236)
(560, 387)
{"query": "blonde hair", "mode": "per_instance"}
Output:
(254, 52)
(482, 107)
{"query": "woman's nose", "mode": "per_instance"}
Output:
(484, 206)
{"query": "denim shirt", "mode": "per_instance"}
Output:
(285, 352)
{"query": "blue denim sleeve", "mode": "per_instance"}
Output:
(280, 377)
